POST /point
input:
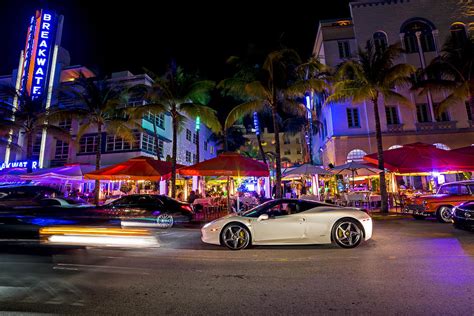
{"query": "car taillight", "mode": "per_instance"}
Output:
(187, 208)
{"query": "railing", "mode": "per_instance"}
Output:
(431, 126)
(394, 128)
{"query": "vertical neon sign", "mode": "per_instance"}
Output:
(38, 50)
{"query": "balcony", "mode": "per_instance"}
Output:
(394, 128)
(435, 126)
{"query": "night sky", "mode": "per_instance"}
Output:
(115, 37)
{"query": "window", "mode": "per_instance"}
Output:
(353, 118)
(62, 150)
(65, 124)
(161, 148)
(211, 150)
(422, 113)
(287, 152)
(195, 158)
(88, 144)
(469, 111)
(188, 156)
(356, 155)
(148, 143)
(458, 34)
(441, 146)
(380, 41)
(344, 49)
(442, 117)
(116, 143)
(37, 144)
(286, 141)
(298, 151)
(454, 189)
(195, 138)
(205, 145)
(297, 140)
(158, 119)
(392, 115)
(425, 30)
(188, 134)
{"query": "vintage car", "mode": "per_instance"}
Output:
(441, 204)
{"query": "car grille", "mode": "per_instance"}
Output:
(464, 214)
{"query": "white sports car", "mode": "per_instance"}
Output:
(290, 222)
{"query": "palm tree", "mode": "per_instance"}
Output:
(268, 91)
(30, 118)
(452, 72)
(180, 94)
(368, 78)
(102, 109)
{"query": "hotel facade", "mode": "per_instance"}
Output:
(347, 130)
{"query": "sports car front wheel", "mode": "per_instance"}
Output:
(347, 233)
(235, 237)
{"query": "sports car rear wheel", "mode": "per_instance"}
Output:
(347, 233)
(235, 237)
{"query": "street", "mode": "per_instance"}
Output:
(409, 267)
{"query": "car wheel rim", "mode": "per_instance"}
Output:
(348, 234)
(235, 237)
(445, 213)
(164, 221)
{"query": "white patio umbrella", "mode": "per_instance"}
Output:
(307, 169)
(356, 168)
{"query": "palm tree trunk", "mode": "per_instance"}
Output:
(157, 150)
(174, 117)
(277, 153)
(97, 163)
(378, 136)
(29, 153)
(226, 145)
(471, 99)
(260, 147)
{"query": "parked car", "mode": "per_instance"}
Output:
(290, 222)
(25, 195)
(463, 215)
(64, 202)
(148, 210)
(440, 205)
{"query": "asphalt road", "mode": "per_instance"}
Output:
(409, 267)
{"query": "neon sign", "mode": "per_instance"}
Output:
(256, 123)
(38, 51)
(18, 164)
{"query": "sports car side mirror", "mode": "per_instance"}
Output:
(262, 217)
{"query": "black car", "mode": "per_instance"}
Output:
(463, 215)
(25, 195)
(147, 210)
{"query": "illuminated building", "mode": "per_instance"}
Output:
(347, 130)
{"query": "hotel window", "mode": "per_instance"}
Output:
(88, 144)
(148, 143)
(287, 152)
(62, 150)
(37, 144)
(392, 115)
(161, 148)
(380, 41)
(443, 117)
(205, 145)
(344, 49)
(458, 34)
(426, 37)
(356, 155)
(422, 113)
(298, 141)
(353, 118)
(286, 141)
(188, 134)
(188, 156)
(195, 158)
(65, 124)
(211, 150)
(298, 151)
(195, 138)
(469, 111)
(160, 121)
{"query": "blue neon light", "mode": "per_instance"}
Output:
(198, 123)
(256, 123)
(18, 164)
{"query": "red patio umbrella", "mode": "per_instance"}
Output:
(468, 150)
(423, 158)
(227, 164)
(139, 168)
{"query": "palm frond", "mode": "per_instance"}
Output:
(392, 96)
(301, 87)
(206, 114)
(122, 130)
(244, 109)
(55, 131)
